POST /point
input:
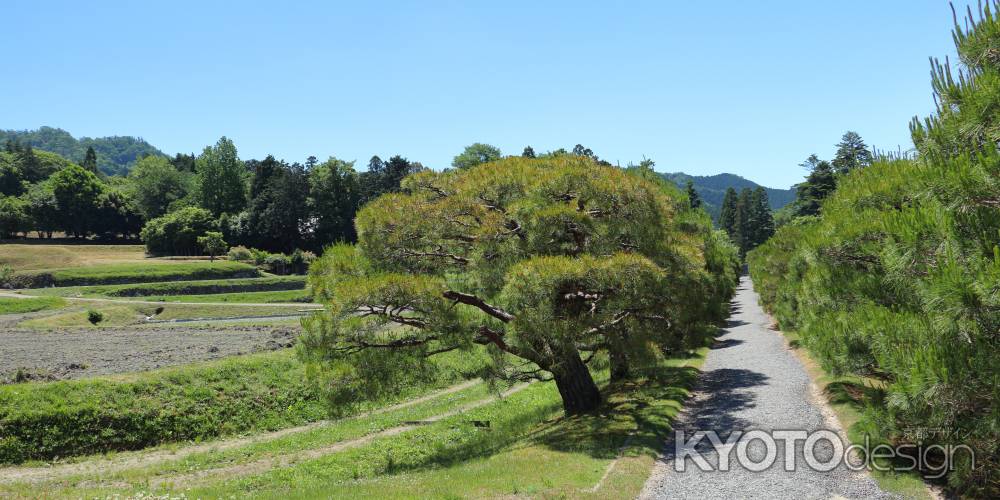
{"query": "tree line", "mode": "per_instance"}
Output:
(268, 204)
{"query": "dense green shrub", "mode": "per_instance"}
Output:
(240, 253)
(94, 317)
(176, 233)
(897, 279)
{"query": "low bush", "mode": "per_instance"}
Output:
(94, 317)
(133, 273)
(240, 253)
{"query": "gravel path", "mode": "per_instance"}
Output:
(751, 381)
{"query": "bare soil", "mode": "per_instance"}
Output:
(86, 352)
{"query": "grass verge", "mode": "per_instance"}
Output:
(19, 306)
(176, 288)
(270, 297)
(137, 272)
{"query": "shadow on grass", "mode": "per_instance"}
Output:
(638, 413)
(853, 393)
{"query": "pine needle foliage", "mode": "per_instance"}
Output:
(549, 263)
(898, 279)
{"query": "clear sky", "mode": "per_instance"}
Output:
(702, 87)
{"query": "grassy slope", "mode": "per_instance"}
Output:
(529, 449)
(17, 306)
(134, 272)
(203, 287)
(119, 314)
(252, 393)
(283, 296)
(43, 255)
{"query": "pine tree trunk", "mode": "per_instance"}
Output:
(576, 386)
(620, 369)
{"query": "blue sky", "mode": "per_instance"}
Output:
(745, 87)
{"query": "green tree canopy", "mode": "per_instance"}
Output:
(77, 192)
(176, 233)
(156, 184)
(222, 179)
(727, 215)
(334, 194)
(213, 244)
(693, 199)
(90, 160)
(545, 262)
(476, 154)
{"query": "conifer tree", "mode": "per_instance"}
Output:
(818, 186)
(745, 225)
(693, 199)
(528, 152)
(727, 215)
(762, 216)
(90, 160)
(852, 153)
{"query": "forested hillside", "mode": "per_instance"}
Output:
(890, 272)
(712, 189)
(115, 155)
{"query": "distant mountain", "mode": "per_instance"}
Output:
(712, 189)
(115, 155)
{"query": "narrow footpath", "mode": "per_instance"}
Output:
(751, 381)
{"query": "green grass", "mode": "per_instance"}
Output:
(26, 255)
(118, 314)
(138, 272)
(114, 315)
(529, 450)
(254, 393)
(18, 306)
(170, 288)
(284, 296)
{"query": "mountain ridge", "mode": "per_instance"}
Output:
(712, 189)
(115, 154)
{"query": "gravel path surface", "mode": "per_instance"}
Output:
(751, 381)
